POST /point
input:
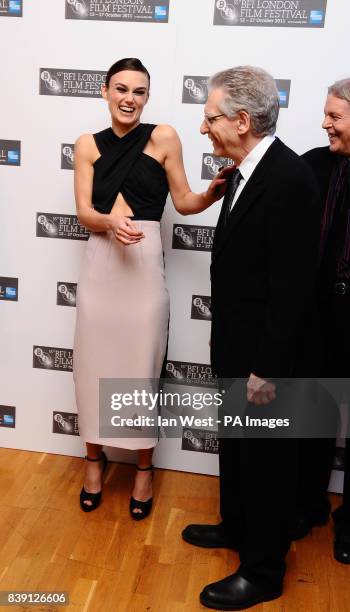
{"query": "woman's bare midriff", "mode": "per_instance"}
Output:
(121, 208)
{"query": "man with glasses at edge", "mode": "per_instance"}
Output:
(263, 268)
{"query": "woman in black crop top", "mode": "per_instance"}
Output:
(122, 178)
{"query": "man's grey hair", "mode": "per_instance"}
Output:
(341, 89)
(250, 89)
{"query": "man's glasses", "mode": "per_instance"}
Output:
(209, 120)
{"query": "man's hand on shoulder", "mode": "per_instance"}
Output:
(260, 391)
(218, 186)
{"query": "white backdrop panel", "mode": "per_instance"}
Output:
(189, 44)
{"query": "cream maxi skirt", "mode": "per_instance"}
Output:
(122, 322)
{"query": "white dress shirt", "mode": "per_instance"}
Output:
(250, 162)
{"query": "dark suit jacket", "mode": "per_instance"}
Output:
(264, 269)
(322, 162)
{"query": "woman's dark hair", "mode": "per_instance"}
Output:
(128, 63)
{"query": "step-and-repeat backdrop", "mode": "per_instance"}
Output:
(54, 57)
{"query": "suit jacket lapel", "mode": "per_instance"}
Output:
(252, 190)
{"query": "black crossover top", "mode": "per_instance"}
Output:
(124, 168)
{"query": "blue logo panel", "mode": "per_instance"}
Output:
(160, 12)
(316, 17)
(8, 416)
(8, 288)
(283, 96)
(11, 292)
(13, 157)
(15, 7)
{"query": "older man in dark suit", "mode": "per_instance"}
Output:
(331, 166)
(263, 276)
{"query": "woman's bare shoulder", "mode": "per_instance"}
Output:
(85, 147)
(85, 140)
(164, 133)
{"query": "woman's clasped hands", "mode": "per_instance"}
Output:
(125, 230)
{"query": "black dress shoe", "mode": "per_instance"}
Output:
(342, 549)
(303, 525)
(207, 536)
(235, 593)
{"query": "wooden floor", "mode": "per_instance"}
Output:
(107, 562)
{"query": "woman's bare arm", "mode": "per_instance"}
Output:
(185, 201)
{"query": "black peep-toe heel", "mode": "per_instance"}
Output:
(144, 506)
(94, 498)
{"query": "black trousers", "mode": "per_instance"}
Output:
(341, 515)
(315, 467)
(257, 503)
(316, 456)
(338, 345)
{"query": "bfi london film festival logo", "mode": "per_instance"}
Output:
(201, 307)
(65, 423)
(53, 358)
(71, 82)
(10, 152)
(146, 11)
(67, 156)
(195, 90)
(212, 164)
(66, 294)
(11, 8)
(7, 416)
(8, 289)
(271, 13)
(200, 441)
(186, 373)
(50, 225)
(193, 237)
